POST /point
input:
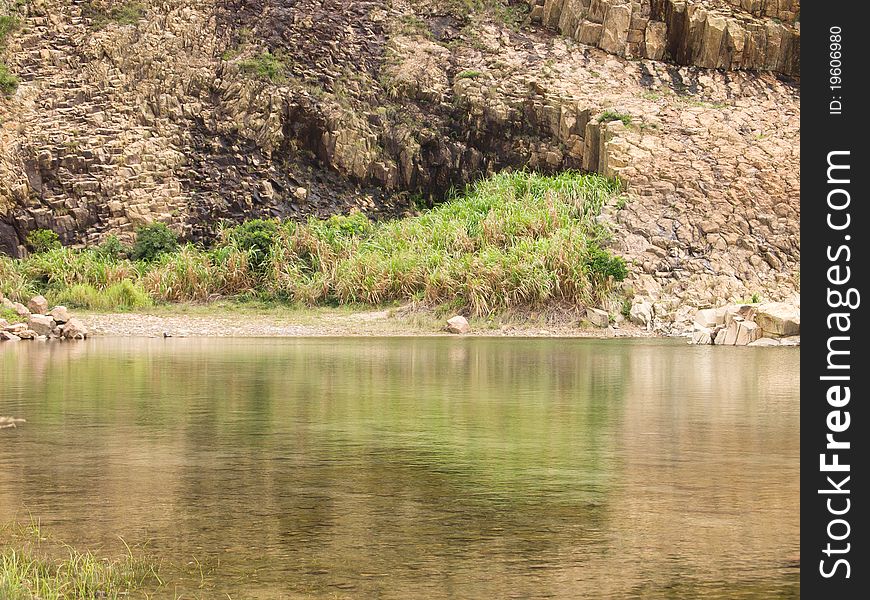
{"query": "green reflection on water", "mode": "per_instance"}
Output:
(400, 468)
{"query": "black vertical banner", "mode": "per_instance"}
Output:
(834, 258)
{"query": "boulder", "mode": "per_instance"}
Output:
(27, 334)
(458, 324)
(38, 305)
(792, 340)
(20, 309)
(641, 313)
(4, 323)
(6, 336)
(719, 339)
(598, 317)
(60, 314)
(779, 319)
(7, 303)
(41, 324)
(74, 330)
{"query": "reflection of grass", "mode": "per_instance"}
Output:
(34, 566)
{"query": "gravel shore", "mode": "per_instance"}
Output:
(322, 323)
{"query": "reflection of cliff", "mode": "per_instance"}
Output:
(453, 468)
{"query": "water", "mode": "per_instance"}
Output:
(415, 468)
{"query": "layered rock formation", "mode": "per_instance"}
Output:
(194, 111)
(717, 34)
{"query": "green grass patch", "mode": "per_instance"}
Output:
(469, 74)
(8, 24)
(33, 565)
(8, 80)
(512, 241)
(10, 316)
(128, 13)
(265, 65)
(611, 115)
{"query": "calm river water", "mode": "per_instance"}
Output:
(415, 468)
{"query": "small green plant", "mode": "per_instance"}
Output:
(469, 74)
(10, 316)
(8, 24)
(8, 81)
(651, 96)
(755, 298)
(112, 249)
(256, 238)
(265, 65)
(603, 265)
(621, 202)
(42, 240)
(152, 241)
(128, 13)
(612, 115)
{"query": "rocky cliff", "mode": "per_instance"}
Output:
(193, 111)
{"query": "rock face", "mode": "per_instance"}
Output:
(458, 324)
(166, 119)
(735, 34)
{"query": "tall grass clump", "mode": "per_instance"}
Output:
(513, 240)
(34, 566)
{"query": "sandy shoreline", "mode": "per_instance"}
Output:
(217, 322)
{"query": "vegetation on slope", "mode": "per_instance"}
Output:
(514, 240)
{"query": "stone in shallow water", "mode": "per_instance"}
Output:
(74, 330)
(41, 324)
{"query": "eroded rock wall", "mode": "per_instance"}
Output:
(761, 35)
(377, 104)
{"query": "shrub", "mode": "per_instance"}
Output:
(112, 249)
(602, 265)
(254, 237)
(8, 24)
(152, 241)
(8, 81)
(42, 240)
